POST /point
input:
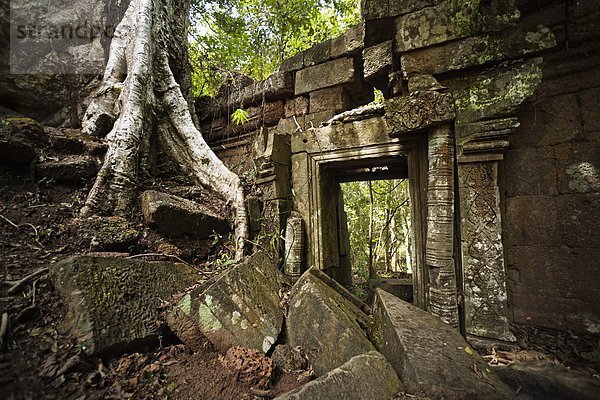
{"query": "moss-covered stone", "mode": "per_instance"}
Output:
(241, 308)
(451, 20)
(366, 376)
(113, 303)
(495, 93)
(108, 233)
(477, 50)
(20, 139)
(324, 323)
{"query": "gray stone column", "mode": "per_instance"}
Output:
(440, 226)
(486, 307)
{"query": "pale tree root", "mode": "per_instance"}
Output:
(150, 100)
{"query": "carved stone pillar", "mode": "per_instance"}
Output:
(294, 263)
(486, 306)
(440, 226)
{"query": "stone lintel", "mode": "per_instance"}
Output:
(418, 110)
(339, 136)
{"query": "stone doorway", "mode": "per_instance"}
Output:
(317, 177)
(375, 215)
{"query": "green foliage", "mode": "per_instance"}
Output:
(231, 38)
(239, 117)
(391, 225)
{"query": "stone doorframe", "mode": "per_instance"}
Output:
(427, 139)
(466, 134)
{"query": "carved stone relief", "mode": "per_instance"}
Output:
(486, 306)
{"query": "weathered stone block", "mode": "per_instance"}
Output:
(296, 106)
(348, 43)
(330, 99)
(590, 109)
(532, 220)
(375, 9)
(314, 120)
(494, 93)
(579, 219)
(407, 6)
(366, 376)
(324, 324)
(532, 172)
(546, 380)
(317, 54)
(475, 51)
(108, 233)
(69, 169)
(451, 20)
(377, 60)
(578, 167)
(19, 139)
(293, 63)
(417, 111)
(176, 216)
(550, 121)
(277, 86)
(241, 308)
(331, 73)
(113, 302)
(407, 335)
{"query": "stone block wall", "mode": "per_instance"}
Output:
(523, 77)
(552, 178)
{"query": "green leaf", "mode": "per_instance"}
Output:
(239, 117)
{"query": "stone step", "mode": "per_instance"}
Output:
(68, 169)
(175, 216)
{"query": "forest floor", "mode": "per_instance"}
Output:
(40, 361)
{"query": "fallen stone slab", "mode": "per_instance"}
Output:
(430, 357)
(68, 169)
(113, 303)
(175, 216)
(366, 376)
(241, 308)
(545, 380)
(324, 324)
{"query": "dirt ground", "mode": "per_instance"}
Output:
(40, 361)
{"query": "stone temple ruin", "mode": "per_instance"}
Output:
(491, 112)
(489, 118)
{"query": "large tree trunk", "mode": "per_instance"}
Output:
(142, 99)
